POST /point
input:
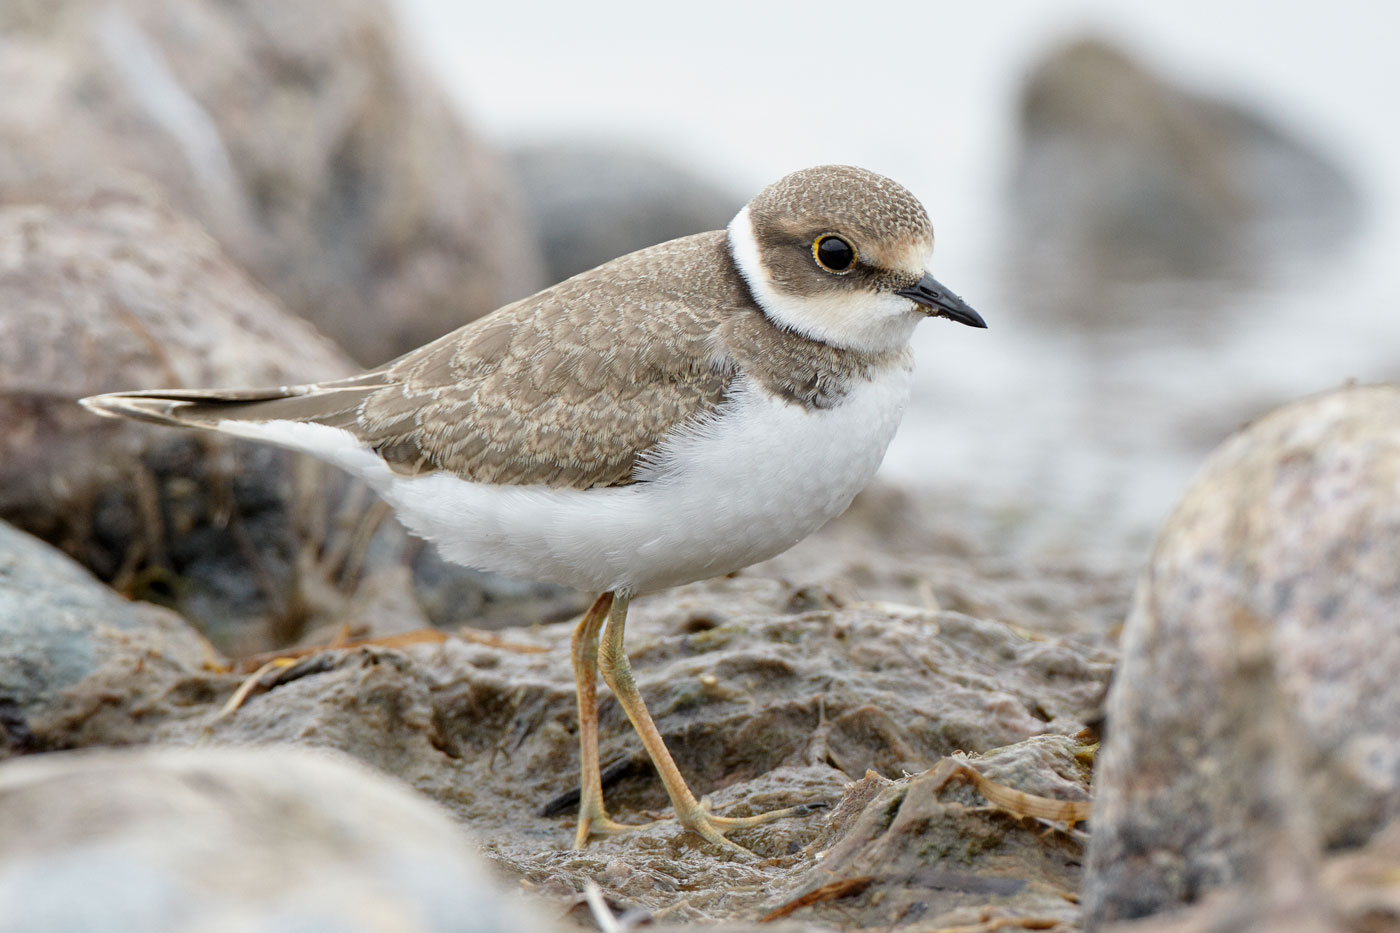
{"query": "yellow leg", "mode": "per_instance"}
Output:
(593, 819)
(617, 672)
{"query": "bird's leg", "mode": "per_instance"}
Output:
(592, 817)
(617, 672)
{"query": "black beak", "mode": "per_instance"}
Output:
(940, 302)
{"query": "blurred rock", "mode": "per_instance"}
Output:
(450, 596)
(894, 545)
(115, 291)
(301, 134)
(589, 203)
(81, 665)
(1355, 891)
(1360, 884)
(1255, 719)
(247, 839)
(1124, 177)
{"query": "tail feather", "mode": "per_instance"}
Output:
(331, 404)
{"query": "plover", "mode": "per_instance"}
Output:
(672, 415)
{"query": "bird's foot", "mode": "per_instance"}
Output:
(699, 820)
(596, 822)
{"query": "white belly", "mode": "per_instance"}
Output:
(738, 488)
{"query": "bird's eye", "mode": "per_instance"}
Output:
(833, 253)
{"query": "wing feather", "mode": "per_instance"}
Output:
(569, 388)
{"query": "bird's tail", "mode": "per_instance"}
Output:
(317, 419)
(331, 404)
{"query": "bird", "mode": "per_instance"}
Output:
(672, 415)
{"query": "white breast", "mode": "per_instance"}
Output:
(737, 488)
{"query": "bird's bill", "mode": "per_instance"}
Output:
(938, 301)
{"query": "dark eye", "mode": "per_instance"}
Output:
(833, 253)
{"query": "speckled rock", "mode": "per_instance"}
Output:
(249, 839)
(302, 134)
(114, 290)
(766, 695)
(1124, 176)
(1255, 719)
(82, 666)
(591, 202)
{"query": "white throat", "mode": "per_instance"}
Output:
(857, 321)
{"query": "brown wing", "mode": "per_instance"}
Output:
(561, 388)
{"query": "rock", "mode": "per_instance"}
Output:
(221, 839)
(938, 856)
(1353, 891)
(1124, 177)
(1255, 717)
(114, 291)
(766, 695)
(590, 203)
(97, 287)
(303, 135)
(81, 665)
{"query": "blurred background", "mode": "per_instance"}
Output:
(1173, 215)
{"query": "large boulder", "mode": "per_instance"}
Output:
(113, 291)
(225, 839)
(302, 134)
(1123, 177)
(1254, 721)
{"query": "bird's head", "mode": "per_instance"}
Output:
(841, 255)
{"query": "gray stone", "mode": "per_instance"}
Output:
(303, 135)
(81, 665)
(247, 839)
(114, 290)
(589, 203)
(1124, 177)
(1255, 719)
